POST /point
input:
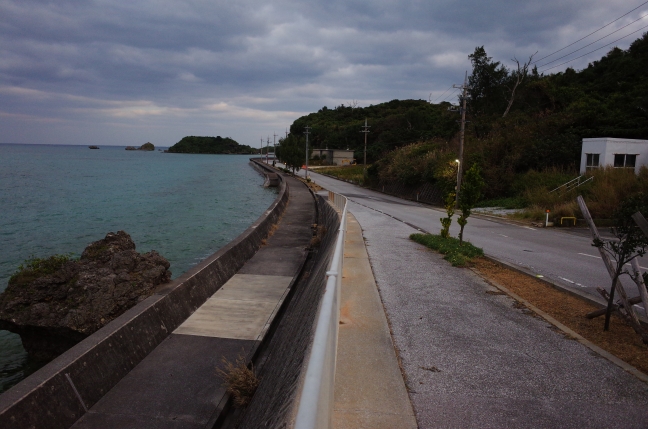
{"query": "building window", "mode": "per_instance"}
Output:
(625, 160)
(592, 161)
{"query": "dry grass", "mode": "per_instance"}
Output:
(620, 340)
(241, 381)
(320, 232)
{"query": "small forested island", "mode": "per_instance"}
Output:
(213, 145)
(146, 146)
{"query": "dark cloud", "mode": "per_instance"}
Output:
(147, 70)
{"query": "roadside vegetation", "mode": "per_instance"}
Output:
(458, 254)
(351, 173)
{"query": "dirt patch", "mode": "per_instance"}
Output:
(620, 340)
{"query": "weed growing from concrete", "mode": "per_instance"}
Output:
(241, 381)
(459, 255)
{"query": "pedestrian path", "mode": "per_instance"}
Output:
(369, 388)
(177, 385)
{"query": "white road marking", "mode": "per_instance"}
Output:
(504, 235)
(528, 227)
(591, 256)
(567, 280)
(598, 257)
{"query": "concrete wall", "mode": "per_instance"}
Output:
(607, 147)
(47, 398)
(273, 405)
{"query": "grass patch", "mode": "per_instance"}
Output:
(34, 268)
(354, 173)
(457, 255)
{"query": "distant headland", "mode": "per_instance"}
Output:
(212, 145)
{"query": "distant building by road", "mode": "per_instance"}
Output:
(613, 152)
(333, 156)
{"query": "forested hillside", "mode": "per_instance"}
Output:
(541, 127)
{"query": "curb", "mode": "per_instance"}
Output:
(603, 353)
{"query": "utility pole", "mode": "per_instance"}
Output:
(267, 149)
(462, 133)
(261, 150)
(365, 130)
(307, 132)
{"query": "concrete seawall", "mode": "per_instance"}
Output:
(284, 357)
(61, 392)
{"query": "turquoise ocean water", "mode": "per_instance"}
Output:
(58, 199)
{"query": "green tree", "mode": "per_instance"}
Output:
(292, 151)
(449, 204)
(470, 194)
(487, 91)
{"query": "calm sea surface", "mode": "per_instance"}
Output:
(58, 199)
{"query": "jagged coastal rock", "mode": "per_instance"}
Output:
(52, 311)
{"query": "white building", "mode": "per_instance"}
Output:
(334, 156)
(613, 152)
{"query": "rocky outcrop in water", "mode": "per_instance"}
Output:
(148, 146)
(56, 302)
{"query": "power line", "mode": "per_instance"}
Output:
(597, 49)
(451, 94)
(593, 32)
(590, 44)
(442, 94)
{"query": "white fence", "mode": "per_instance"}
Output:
(316, 400)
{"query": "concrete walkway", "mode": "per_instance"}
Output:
(472, 359)
(176, 385)
(369, 388)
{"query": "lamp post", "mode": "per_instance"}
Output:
(457, 186)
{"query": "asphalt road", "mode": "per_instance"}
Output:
(563, 257)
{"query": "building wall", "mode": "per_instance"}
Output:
(607, 147)
(335, 156)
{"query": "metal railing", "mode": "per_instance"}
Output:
(315, 409)
(574, 183)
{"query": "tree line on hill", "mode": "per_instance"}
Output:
(520, 120)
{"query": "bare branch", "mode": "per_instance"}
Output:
(521, 73)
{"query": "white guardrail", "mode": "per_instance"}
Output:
(316, 401)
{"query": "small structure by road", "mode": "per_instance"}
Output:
(612, 152)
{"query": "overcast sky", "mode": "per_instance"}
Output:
(127, 72)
